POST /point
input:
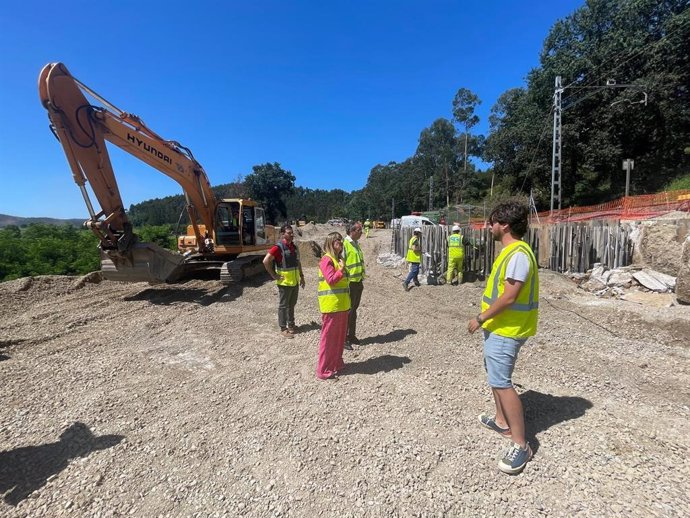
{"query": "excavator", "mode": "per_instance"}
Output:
(223, 235)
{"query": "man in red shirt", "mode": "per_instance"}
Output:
(283, 265)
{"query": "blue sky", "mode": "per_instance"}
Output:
(327, 89)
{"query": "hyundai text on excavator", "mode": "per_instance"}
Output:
(219, 230)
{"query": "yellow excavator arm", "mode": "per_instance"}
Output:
(219, 230)
(83, 128)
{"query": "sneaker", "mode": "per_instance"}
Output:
(514, 459)
(407, 288)
(287, 334)
(416, 283)
(348, 347)
(292, 330)
(490, 423)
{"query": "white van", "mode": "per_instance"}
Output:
(415, 221)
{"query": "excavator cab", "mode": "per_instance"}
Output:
(228, 230)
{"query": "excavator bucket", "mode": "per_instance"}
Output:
(144, 262)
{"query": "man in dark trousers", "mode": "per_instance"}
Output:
(283, 265)
(354, 262)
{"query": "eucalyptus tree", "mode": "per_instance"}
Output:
(438, 155)
(465, 103)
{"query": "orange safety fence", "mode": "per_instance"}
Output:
(628, 207)
(644, 206)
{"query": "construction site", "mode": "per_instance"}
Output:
(183, 399)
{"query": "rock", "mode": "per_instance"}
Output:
(683, 279)
(649, 281)
(619, 278)
(660, 300)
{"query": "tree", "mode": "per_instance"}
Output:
(464, 104)
(645, 43)
(270, 184)
(437, 154)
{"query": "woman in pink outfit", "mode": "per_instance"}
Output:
(334, 303)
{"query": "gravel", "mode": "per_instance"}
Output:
(183, 400)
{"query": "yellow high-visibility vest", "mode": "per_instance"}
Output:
(354, 260)
(412, 256)
(456, 249)
(337, 297)
(289, 266)
(519, 320)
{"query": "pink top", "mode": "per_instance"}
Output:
(330, 272)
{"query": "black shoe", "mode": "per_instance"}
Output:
(407, 288)
(348, 347)
(416, 283)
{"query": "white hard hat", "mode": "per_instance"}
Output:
(455, 227)
(417, 229)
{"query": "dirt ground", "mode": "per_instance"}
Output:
(182, 400)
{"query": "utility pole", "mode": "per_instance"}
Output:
(628, 165)
(557, 146)
(556, 185)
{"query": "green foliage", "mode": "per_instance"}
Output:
(171, 209)
(271, 184)
(162, 235)
(644, 43)
(47, 250)
(679, 184)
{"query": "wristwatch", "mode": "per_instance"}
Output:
(479, 320)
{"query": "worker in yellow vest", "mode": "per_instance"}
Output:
(334, 304)
(510, 310)
(367, 227)
(414, 258)
(456, 256)
(354, 262)
(284, 266)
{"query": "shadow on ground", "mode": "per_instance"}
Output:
(24, 470)
(542, 411)
(8, 343)
(166, 295)
(311, 326)
(385, 363)
(393, 336)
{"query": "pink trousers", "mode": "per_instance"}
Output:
(333, 333)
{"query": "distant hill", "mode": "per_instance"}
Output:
(22, 222)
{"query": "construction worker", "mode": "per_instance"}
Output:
(510, 310)
(354, 262)
(414, 258)
(456, 256)
(283, 265)
(367, 227)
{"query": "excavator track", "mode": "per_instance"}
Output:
(241, 269)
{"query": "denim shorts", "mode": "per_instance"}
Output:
(500, 355)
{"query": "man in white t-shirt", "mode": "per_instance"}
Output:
(509, 316)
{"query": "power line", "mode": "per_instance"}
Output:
(637, 51)
(536, 149)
